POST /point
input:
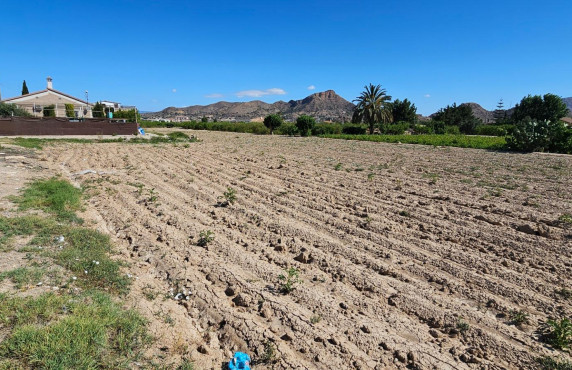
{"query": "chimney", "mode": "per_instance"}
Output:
(49, 82)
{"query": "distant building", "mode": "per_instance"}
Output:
(567, 120)
(35, 102)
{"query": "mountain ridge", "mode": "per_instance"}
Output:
(323, 106)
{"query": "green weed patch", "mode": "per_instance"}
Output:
(53, 331)
(54, 196)
(461, 141)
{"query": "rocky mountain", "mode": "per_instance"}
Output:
(481, 113)
(323, 106)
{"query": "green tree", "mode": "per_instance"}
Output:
(499, 114)
(549, 107)
(98, 110)
(49, 110)
(273, 121)
(24, 88)
(204, 119)
(372, 107)
(305, 124)
(8, 110)
(403, 111)
(70, 112)
(458, 115)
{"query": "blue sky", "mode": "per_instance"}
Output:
(155, 54)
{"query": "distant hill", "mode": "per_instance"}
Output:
(479, 112)
(323, 106)
(568, 102)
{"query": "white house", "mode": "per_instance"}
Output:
(35, 102)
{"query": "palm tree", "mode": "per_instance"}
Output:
(372, 107)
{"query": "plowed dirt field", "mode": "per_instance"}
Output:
(408, 255)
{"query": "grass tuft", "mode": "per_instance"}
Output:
(54, 196)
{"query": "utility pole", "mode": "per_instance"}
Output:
(87, 100)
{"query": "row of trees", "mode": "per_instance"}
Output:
(304, 123)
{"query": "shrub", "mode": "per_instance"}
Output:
(327, 129)
(395, 129)
(452, 130)
(131, 115)
(287, 128)
(98, 110)
(438, 127)
(354, 130)
(70, 112)
(531, 135)
(305, 124)
(559, 333)
(8, 110)
(548, 363)
(422, 129)
(273, 121)
(494, 130)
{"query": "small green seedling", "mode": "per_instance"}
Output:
(462, 326)
(289, 280)
(152, 195)
(269, 354)
(229, 197)
(205, 237)
(518, 317)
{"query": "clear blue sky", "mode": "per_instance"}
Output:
(155, 54)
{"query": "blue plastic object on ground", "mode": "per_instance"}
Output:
(141, 131)
(240, 361)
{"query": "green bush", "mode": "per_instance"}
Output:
(437, 127)
(287, 128)
(70, 112)
(452, 130)
(422, 130)
(131, 115)
(559, 333)
(305, 124)
(531, 135)
(395, 129)
(354, 129)
(494, 130)
(327, 128)
(8, 110)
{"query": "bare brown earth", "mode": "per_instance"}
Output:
(396, 246)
